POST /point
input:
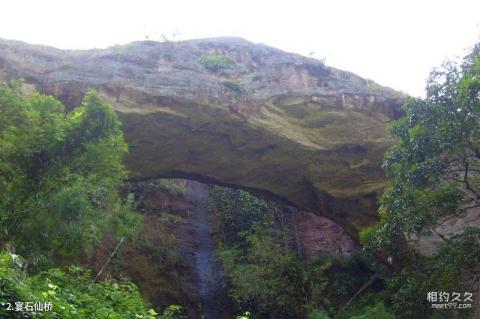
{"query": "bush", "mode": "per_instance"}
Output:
(216, 63)
(60, 173)
(268, 278)
(72, 293)
(173, 312)
(265, 274)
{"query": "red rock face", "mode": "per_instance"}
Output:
(448, 227)
(319, 235)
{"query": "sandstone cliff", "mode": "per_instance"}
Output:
(278, 124)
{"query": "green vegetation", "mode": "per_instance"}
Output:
(433, 169)
(237, 211)
(60, 175)
(72, 293)
(265, 273)
(432, 172)
(265, 277)
(216, 63)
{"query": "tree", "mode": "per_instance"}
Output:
(59, 173)
(265, 279)
(433, 171)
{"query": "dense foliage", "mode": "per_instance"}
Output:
(266, 275)
(433, 171)
(434, 167)
(59, 174)
(72, 294)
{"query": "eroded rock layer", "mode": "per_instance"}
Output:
(276, 123)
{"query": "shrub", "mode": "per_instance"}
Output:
(72, 293)
(173, 312)
(216, 63)
(59, 172)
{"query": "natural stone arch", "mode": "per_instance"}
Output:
(297, 131)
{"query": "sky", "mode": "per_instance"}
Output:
(395, 43)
